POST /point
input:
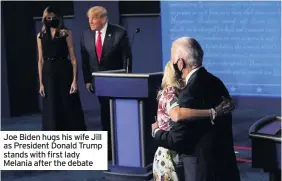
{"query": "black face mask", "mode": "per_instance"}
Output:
(178, 72)
(53, 23)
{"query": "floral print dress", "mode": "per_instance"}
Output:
(165, 159)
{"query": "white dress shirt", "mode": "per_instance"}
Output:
(103, 33)
(186, 81)
(191, 73)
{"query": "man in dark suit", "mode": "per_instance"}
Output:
(104, 46)
(205, 146)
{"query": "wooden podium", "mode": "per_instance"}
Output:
(133, 106)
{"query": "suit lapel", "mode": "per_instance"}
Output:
(107, 41)
(93, 42)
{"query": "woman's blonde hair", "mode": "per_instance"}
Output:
(169, 78)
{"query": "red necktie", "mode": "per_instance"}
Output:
(99, 46)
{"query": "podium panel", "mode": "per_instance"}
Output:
(265, 137)
(122, 87)
(127, 117)
(133, 106)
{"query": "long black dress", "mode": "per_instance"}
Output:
(62, 111)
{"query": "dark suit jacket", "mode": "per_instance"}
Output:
(207, 150)
(116, 50)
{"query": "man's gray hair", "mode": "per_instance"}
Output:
(189, 49)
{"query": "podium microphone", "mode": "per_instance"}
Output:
(132, 41)
(136, 31)
(127, 65)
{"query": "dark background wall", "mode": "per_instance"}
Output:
(5, 103)
(20, 60)
(19, 75)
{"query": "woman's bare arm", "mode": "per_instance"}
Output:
(72, 55)
(177, 114)
(40, 59)
(180, 114)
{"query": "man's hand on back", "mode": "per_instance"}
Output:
(225, 107)
(154, 126)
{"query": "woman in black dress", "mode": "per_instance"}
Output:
(62, 110)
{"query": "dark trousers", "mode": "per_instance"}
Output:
(180, 171)
(189, 167)
(105, 119)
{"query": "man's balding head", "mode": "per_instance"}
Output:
(188, 49)
(186, 54)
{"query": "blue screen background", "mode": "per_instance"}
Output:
(241, 41)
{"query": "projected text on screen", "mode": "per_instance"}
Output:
(241, 41)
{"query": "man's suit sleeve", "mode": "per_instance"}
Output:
(85, 62)
(173, 139)
(126, 53)
(224, 90)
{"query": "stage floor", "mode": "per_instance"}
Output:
(242, 120)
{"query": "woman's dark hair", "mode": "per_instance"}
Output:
(61, 25)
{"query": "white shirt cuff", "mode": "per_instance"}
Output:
(154, 132)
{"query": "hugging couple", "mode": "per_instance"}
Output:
(194, 123)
